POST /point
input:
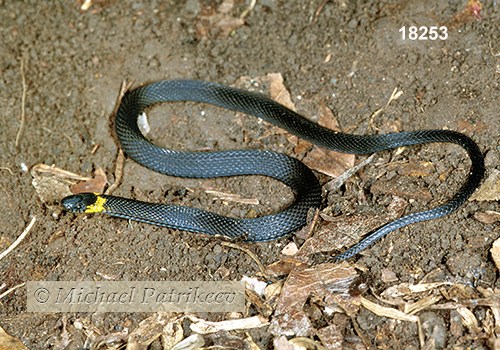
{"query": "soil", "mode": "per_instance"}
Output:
(347, 55)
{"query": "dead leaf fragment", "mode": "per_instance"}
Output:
(345, 230)
(388, 276)
(488, 217)
(290, 249)
(323, 160)
(322, 280)
(95, 185)
(52, 183)
(8, 342)
(469, 320)
(490, 189)
(204, 327)
(226, 6)
(220, 19)
(469, 14)
(227, 24)
(405, 187)
(160, 324)
(495, 253)
(413, 169)
(387, 311)
(326, 161)
(332, 335)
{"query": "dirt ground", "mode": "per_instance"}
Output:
(346, 55)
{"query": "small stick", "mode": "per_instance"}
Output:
(248, 9)
(23, 102)
(253, 256)
(120, 157)
(120, 160)
(11, 290)
(320, 8)
(21, 237)
(8, 169)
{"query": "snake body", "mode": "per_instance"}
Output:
(253, 162)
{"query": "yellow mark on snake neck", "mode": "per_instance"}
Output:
(97, 207)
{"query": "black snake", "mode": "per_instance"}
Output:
(257, 162)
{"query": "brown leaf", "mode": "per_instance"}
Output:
(488, 217)
(332, 335)
(323, 160)
(95, 185)
(405, 187)
(278, 91)
(495, 253)
(388, 276)
(328, 162)
(227, 24)
(342, 231)
(469, 14)
(51, 183)
(8, 342)
(413, 169)
(490, 189)
(322, 280)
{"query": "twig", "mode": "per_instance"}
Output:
(320, 8)
(8, 169)
(120, 160)
(365, 340)
(248, 9)
(253, 256)
(120, 157)
(11, 290)
(21, 237)
(491, 51)
(335, 184)
(394, 96)
(23, 101)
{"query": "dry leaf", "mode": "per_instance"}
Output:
(51, 183)
(154, 327)
(470, 14)
(387, 311)
(227, 24)
(95, 185)
(322, 280)
(8, 342)
(405, 187)
(341, 231)
(323, 160)
(469, 320)
(204, 327)
(495, 253)
(490, 189)
(413, 169)
(488, 217)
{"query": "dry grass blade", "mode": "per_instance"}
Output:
(204, 327)
(422, 304)
(19, 239)
(387, 311)
(7, 292)
(23, 105)
(253, 256)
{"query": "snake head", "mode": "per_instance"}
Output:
(79, 203)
